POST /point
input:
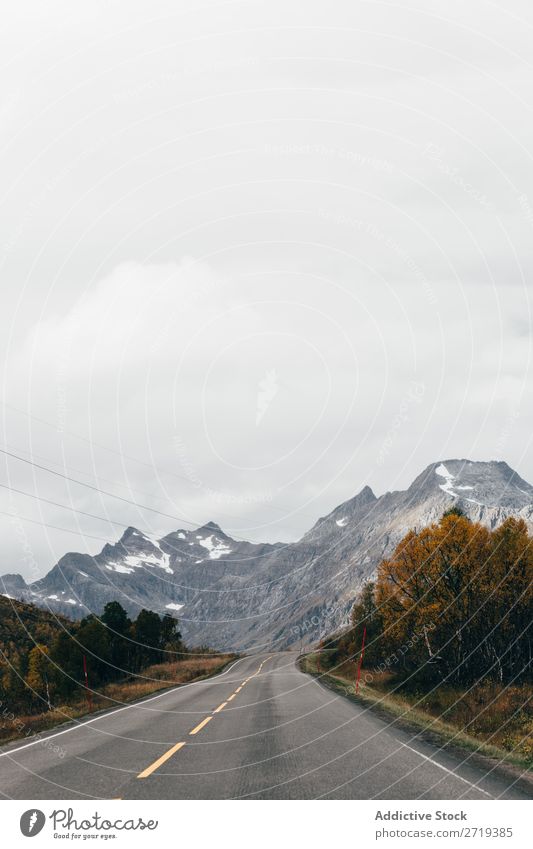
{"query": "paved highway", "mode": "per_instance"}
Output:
(260, 730)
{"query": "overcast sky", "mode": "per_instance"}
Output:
(256, 255)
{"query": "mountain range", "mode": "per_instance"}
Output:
(235, 594)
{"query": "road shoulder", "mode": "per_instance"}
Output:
(521, 777)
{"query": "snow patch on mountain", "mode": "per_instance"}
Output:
(118, 567)
(216, 549)
(447, 487)
(140, 558)
(173, 606)
(342, 522)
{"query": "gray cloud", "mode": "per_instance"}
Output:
(258, 258)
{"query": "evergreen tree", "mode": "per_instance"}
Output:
(171, 637)
(118, 625)
(147, 634)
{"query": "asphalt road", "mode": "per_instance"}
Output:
(260, 730)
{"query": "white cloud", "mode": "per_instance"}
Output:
(342, 202)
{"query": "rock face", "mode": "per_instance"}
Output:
(235, 594)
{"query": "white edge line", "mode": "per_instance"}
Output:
(450, 771)
(117, 710)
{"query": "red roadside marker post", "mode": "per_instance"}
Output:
(359, 665)
(89, 694)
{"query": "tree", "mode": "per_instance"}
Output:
(456, 600)
(118, 625)
(19, 697)
(509, 579)
(66, 658)
(92, 640)
(429, 594)
(147, 634)
(170, 636)
(38, 678)
(366, 614)
(454, 511)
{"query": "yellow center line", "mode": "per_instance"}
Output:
(150, 769)
(201, 725)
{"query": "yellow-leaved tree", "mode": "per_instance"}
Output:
(456, 600)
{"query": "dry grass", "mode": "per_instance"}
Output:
(501, 716)
(151, 680)
(496, 721)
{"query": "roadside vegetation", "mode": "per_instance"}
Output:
(448, 629)
(53, 670)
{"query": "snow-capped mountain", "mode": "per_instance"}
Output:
(232, 593)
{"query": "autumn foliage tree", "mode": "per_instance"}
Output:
(456, 600)
(38, 677)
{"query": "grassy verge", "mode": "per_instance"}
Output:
(154, 679)
(450, 718)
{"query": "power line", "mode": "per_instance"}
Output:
(88, 474)
(52, 527)
(63, 506)
(94, 488)
(129, 457)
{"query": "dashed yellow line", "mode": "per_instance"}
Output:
(201, 725)
(150, 769)
(160, 761)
